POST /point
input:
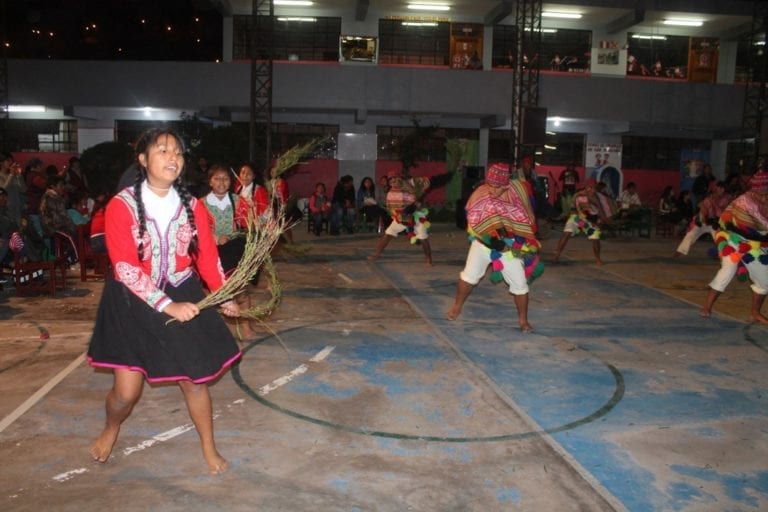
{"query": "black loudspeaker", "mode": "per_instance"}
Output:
(473, 176)
(534, 126)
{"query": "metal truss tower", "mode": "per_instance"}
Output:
(4, 114)
(755, 95)
(262, 55)
(525, 81)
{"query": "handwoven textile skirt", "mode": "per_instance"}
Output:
(129, 334)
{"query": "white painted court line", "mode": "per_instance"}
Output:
(346, 278)
(285, 379)
(159, 438)
(182, 429)
(40, 393)
(63, 477)
(322, 354)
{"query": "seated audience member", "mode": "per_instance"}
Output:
(97, 230)
(629, 202)
(7, 228)
(78, 209)
(343, 206)
(54, 218)
(667, 205)
(366, 202)
(34, 248)
(75, 179)
(319, 208)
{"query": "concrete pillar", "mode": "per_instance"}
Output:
(726, 62)
(482, 147)
(717, 157)
(227, 32)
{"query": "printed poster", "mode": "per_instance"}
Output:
(604, 165)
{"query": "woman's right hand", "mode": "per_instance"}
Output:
(182, 311)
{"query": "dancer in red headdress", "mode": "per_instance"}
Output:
(409, 213)
(502, 230)
(742, 245)
(589, 216)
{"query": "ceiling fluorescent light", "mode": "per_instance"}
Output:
(309, 20)
(420, 23)
(566, 15)
(294, 3)
(683, 22)
(644, 36)
(544, 30)
(25, 108)
(429, 7)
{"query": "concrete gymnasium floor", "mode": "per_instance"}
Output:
(622, 399)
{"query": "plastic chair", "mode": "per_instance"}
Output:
(88, 259)
(33, 277)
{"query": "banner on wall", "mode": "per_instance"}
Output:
(460, 153)
(604, 165)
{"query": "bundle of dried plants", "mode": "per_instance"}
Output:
(265, 309)
(261, 237)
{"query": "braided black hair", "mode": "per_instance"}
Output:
(186, 200)
(141, 175)
(147, 139)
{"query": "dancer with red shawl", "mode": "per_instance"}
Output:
(502, 231)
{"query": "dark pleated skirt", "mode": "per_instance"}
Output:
(230, 254)
(131, 335)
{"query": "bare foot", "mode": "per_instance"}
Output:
(556, 257)
(429, 262)
(599, 262)
(705, 313)
(373, 257)
(526, 327)
(453, 313)
(216, 463)
(101, 449)
(757, 317)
